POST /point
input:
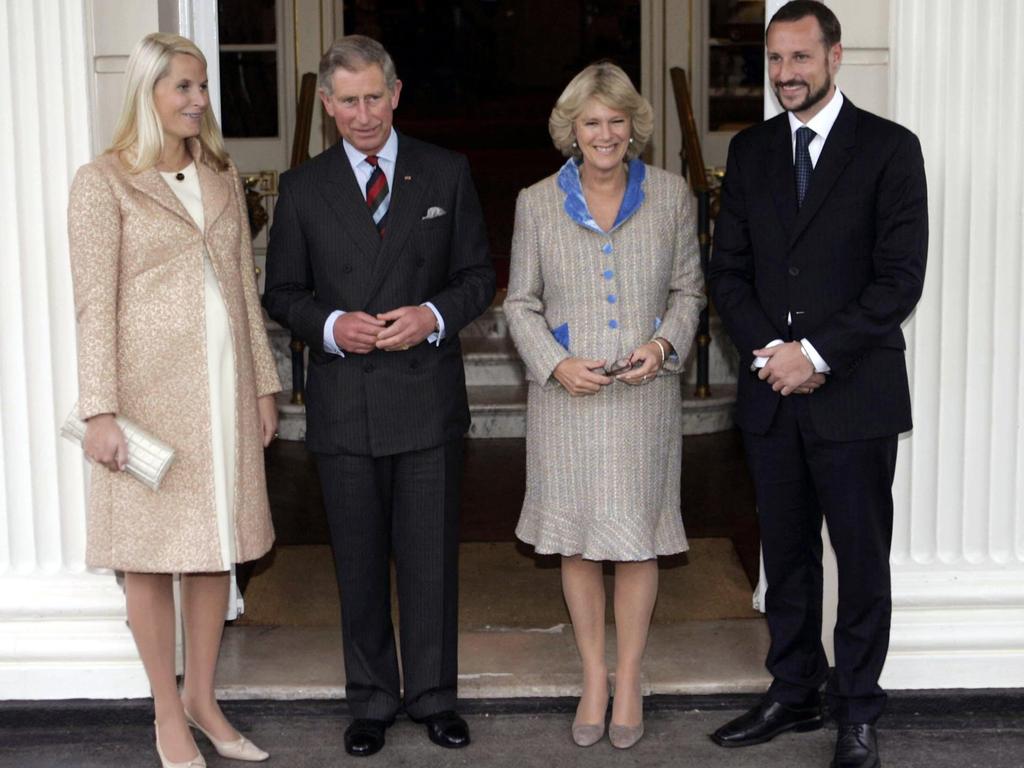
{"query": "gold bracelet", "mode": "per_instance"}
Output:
(660, 349)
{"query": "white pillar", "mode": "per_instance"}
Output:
(958, 547)
(62, 628)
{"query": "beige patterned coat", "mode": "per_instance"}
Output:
(137, 265)
(603, 471)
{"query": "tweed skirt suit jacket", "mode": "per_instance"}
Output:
(603, 471)
(137, 261)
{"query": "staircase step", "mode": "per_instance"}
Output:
(491, 361)
(497, 410)
(291, 418)
(702, 416)
(491, 324)
(500, 411)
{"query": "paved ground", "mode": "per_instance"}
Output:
(924, 733)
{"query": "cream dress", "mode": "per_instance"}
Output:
(220, 360)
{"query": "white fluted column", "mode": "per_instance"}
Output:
(958, 547)
(62, 628)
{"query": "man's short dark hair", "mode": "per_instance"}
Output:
(798, 9)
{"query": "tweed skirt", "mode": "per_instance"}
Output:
(603, 471)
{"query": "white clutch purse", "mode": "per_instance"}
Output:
(148, 458)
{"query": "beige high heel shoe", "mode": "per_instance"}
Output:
(196, 762)
(625, 736)
(588, 734)
(239, 749)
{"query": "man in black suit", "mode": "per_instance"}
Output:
(819, 256)
(378, 257)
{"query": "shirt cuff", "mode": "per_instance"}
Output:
(820, 366)
(329, 343)
(760, 362)
(438, 336)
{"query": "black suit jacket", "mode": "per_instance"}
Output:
(325, 254)
(849, 265)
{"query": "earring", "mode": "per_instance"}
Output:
(577, 146)
(631, 140)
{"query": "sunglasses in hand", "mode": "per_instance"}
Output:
(619, 367)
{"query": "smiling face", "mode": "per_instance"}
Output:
(602, 134)
(800, 67)
(362, 107)
(181, 98)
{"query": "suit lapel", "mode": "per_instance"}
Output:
(404, 210)
(340, 190)
(780, 174)
(835, 156)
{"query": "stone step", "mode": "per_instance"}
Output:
(497, 410)
(491, 361)
(500, 411)
(291, 417)
(491, 324)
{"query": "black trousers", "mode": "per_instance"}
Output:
(405, 506)
(798, 478)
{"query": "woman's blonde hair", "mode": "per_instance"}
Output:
(607, 83)
(139, 135)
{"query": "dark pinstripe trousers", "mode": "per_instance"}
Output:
(405, 506)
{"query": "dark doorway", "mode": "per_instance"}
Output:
(481, 76)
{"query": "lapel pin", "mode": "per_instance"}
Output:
(408, 178)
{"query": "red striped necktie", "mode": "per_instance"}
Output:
(377, 193)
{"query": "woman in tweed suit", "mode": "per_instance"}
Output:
(171, 335)
(602, 304)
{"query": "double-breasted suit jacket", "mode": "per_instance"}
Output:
(137, 260)
(326, 254)
(848, 267)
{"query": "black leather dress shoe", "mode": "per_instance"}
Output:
(365, 737)
(447, 729)
(766, 721)
(856, 747)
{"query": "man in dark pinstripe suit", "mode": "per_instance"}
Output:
(819, 257)
(378, 257)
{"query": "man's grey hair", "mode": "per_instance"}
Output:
(354, 53)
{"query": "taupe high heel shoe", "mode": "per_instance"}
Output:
(625, 736)
(588, 734)
(239, 749)
(196, 762)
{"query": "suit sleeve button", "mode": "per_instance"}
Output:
(794, 271)
(347, 268)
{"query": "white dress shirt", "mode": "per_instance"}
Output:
(821, 124)
(386, 159)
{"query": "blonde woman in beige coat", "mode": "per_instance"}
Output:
(171, 335)
(602, 303)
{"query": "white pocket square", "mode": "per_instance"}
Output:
(434, 211)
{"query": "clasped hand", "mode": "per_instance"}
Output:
(581, 376)
(104, 442)
(360, 333)
(788, 370)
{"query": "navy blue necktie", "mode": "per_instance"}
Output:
(802, 163)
